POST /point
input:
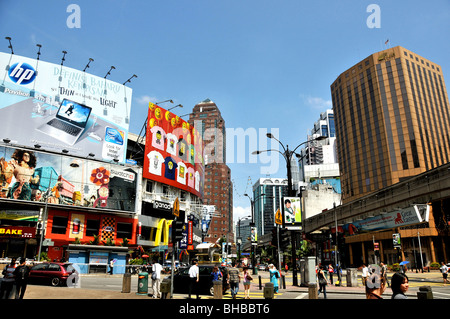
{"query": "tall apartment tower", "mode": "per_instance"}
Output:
(218, 188)
(392, 120)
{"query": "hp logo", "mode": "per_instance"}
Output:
(22, 73)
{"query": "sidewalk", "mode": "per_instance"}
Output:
(47, 292)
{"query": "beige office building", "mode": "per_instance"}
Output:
(392, 120)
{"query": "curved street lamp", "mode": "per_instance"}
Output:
(287, 154)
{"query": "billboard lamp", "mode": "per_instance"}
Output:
(129, 80)
(6, 140)
(87, 65)
(39, 51)
(37, 146)
(64, 57)
(65, 151)
(175, 107)
(109, 72)
(10, 45)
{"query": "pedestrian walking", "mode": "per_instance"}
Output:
(331, 271)
(399, 285)
(384, 274)
(156, 279)
(274, 275)
(21, 274)
(323, 282)
(234, 279)
(365, 274)
(444, 271)
(216, 274)
(8, 279)
(247, 281)
(194, 278)
(111, 266)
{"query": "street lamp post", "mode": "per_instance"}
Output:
(253, 249)
(287, 154)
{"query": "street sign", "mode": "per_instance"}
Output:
(278, 217)
(176, 208)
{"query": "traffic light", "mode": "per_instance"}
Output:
(285, 238)
(274, 241)
(177, 230)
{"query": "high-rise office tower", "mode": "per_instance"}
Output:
(392, 120)
(218, 188)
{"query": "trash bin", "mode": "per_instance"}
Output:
(425, 293)
(217, 285)
(312, 291)
(165, 288)
(142, 283)
(268, 290)
(352, 277)
(126, 283)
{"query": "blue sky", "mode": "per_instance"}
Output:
(266, 64)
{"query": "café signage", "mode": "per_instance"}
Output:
(17, 232)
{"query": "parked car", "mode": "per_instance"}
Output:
(263, 267)
(54, 273)
(205, 285)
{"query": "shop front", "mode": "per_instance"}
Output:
(90, 239)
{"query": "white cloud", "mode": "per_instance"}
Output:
(316, 102)
(144, 99)
(239, 212)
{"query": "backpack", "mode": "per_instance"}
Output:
(21, 273)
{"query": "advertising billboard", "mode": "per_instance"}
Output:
(58, 179)
(292, 213)
(60, 108)
(408, 216)
(173, 151)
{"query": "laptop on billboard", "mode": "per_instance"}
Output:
(69, 122)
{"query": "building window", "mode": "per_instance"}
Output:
(92, 227)
(149, 186)
(59, 225)
(124, 230)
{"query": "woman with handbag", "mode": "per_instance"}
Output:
(274, 275)
(247, 279)
(323, 282)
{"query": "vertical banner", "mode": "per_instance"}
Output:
(292, 213)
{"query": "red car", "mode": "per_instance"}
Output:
(54, 273)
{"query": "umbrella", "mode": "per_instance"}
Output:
(144, 256)
(404, 263)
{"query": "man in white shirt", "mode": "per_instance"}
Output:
(365, 274)
(156, 279)
(444, 271)
(193, 279)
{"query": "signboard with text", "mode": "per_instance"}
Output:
(63, 109)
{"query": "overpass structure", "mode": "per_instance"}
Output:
(425, 188)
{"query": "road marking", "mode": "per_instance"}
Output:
(301, 296)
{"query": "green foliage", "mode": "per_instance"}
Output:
(434, 266)
(96, 240)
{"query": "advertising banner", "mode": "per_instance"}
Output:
(292, 213)
(408, 216)
(173, 151)
(60, 108)
(57, 179)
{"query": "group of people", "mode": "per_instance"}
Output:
(374, 280)
(233, 278)
(14, 276)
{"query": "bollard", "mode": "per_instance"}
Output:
(126, 283)
(425, 293)
(283, 281)
(268, 290)
(142, 283)
(217, 284)
(165, 289)
(312, 291)
(260, 283)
